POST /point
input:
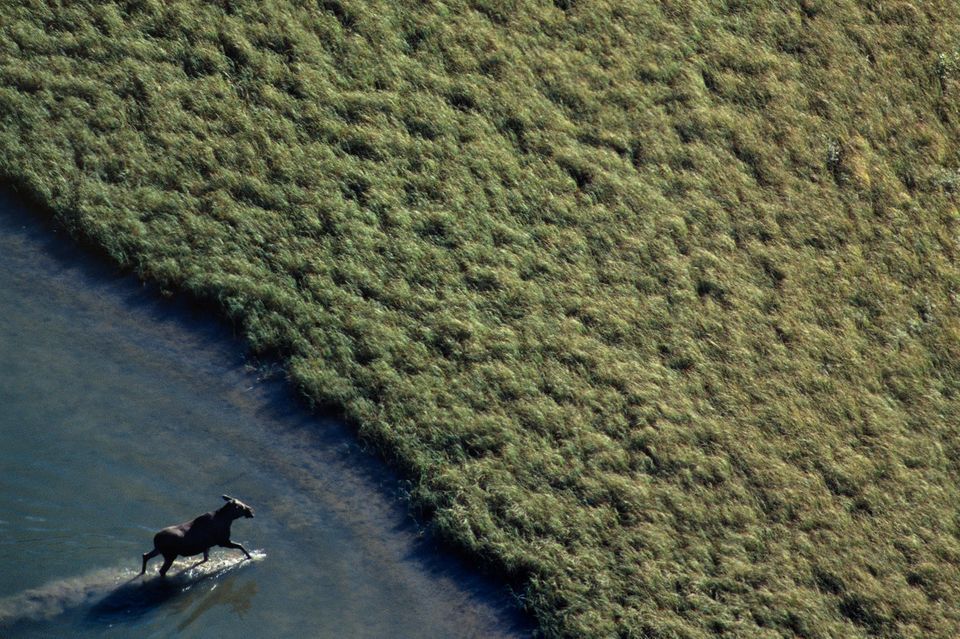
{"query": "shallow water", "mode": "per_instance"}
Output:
(121, 413)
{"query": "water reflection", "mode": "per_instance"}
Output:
(236, 597)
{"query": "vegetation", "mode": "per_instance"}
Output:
(656, 303)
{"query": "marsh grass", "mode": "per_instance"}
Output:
(654, 302)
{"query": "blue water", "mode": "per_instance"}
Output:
(122, 413)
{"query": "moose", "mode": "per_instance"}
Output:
(198, 536)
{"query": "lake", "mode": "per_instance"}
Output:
(124, 412)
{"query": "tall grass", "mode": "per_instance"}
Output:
(654, 302)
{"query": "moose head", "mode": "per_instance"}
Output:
(235, 508)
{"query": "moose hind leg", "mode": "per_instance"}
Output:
(233, 544)
(167, 562)
(147, 556)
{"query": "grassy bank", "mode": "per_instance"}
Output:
(654, 302)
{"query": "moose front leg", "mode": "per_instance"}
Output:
(206, 558)
(233, 544)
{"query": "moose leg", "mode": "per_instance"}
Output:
(167, 562)
(206, 558)
(147, 556)
(233, 544)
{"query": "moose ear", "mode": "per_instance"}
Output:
(227, 497)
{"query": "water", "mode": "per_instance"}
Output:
(121, 413)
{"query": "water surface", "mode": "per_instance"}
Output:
(121, 413)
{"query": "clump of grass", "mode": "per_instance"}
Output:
(655, 303)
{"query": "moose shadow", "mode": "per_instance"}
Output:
(138, 597)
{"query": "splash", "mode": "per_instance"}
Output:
(115, 591)
(56, 597)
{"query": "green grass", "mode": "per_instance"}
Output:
(655, 303)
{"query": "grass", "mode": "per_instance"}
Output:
(655, 303)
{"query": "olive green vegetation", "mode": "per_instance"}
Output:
(654, 302)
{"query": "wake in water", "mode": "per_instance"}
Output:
(115, 592)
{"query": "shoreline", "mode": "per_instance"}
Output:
(334, 467)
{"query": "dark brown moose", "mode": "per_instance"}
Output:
(198, 536)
